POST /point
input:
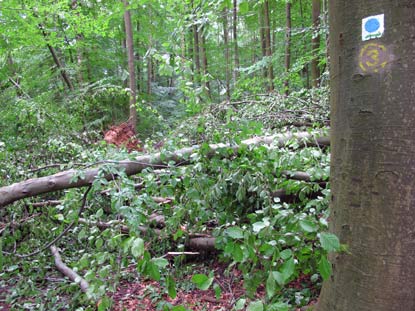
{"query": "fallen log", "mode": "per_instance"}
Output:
(65, 270)
(67, 179)
(196, 241)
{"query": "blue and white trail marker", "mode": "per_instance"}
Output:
(373, 27)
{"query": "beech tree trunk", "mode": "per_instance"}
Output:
(287, 48)
(373, 163)
(131, 67)
(64, 180)
(227, 53)
(235, 41)
(315, 43)
(203, 54)
(268, 48)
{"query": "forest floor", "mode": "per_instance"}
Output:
(148, 294)
(143, 294)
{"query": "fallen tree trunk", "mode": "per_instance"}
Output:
(195, 241)
(65, 270)
(65, 180)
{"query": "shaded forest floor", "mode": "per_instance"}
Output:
(137, 293)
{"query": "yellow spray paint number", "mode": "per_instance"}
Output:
(373, 57)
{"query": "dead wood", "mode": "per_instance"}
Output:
(66, 180)
(196, 241)
(65, 270)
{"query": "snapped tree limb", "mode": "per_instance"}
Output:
(65, 270)
(65, 180)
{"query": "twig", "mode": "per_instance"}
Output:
(61, 234)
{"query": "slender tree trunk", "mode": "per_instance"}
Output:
(196, 45)
(191, 51)
(287, 48)
(131, 67)
(235, 41)
(262, 36)
(138, 63)
(227, 53)
(315, 43)
(268, 48)
(203, 53)
(305, 71)
(58, 64)
(14, 77)
(373, 164)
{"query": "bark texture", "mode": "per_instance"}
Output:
(131, 66)
(64, 180)
(315, 43)
(68, 272)
(373, 163)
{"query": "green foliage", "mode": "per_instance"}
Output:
(47, 127)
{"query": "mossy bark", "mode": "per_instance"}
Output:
(373, 158)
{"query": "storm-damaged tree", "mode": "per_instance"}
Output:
(373, 163)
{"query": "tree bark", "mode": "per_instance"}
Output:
(227, 53)
(373, 163)
(58, 63)
(268, 48)
(315, 43)
(235, 41)
(131, 66)
(204, 57)
(196, 45)
(68, 272)
(287, 48)
(63, 180)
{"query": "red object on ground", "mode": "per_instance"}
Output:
(123, 135)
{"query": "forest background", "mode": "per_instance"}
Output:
(169, 75)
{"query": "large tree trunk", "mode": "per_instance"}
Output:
(373, 163)
(64, 180)
(131, 67)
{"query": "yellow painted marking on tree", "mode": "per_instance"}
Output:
(372, 57)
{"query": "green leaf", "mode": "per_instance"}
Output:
(279, 278)
(218, 291)
(279, 306)
(255, 306)
(237, 253)
(160, 262)
(202, 281)
(286, 253)
(308, 226)
(270, 285)
(324, 267)
(171, 287)
(153, 271)
(329, 242)
(235, 232)
(258, 226)
(243, 7)
(240, 304)
(104, 304)
(288, 268)
(137, 247)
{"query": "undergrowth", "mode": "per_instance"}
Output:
(266, 223)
